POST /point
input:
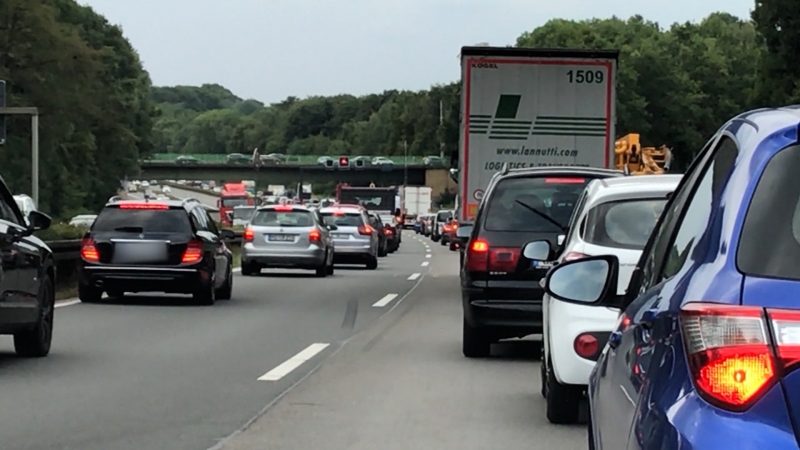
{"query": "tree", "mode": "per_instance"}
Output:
(778, 21)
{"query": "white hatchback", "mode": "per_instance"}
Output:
(614, 216)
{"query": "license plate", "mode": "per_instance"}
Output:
(140, 252)
(341, 236)
(280, 237)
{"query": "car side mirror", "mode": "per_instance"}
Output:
(537, 251)
(227, 234)
(588, 281)
(464, 232)
(38, 221)
(332, 227)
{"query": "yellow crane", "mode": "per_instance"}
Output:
(634, 159)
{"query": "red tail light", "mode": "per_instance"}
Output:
(89, 252)
(283, 208)
(248, 235)
(388, 231)
(503, 259)
(193, 253)
(143, 205)
(314, 236)
(564, 180)
(586, 345)
(477, 257)
(365, 230)
(572, 256)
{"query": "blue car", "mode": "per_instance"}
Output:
(707, 352)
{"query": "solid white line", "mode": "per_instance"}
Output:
(237, 270)
(414, 276)
(428, 255)
(65, 303)
(293, 363)
(426, 263)
(385, 300)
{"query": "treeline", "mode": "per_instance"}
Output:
(93, 96)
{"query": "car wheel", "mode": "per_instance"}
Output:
(205, 294)
(543, 378)
(35, 343)
(249, 269)
(474, 343)
(563, 401)
(372, 262)
(590, 431)
(226, 291)
(89, 294)
(321, 271)
(330, 269)
(383, 250)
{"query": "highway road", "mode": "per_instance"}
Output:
(361, 360)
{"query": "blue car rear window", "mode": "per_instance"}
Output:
(769, 245)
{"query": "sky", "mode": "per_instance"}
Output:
(271, 49)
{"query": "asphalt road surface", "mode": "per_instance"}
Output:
(360, 360)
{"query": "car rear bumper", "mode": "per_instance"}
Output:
(365, 249)
(144, 279)
(506, 315)
(15, 316)
(305, 259)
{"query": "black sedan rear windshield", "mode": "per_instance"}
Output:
(769, 245)
(521, 204)
(138, 221)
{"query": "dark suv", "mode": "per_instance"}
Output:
(155, 246)
(27, 279)
(500, 287)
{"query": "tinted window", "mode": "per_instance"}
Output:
(518, 204)
(343, 220)
(625, 224)
(243, 213)
(231, 202)
(272, 218)
(695, 218)
(443, 216)
(142, 221)
(770, 241)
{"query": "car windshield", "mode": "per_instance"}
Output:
(533, 204)
(231, 202)
(243, 213)
(444, 216)
(273, 218)
(622, 224)
(343, 219)
(114, 219)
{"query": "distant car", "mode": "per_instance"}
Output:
(216, 189)
(270, 160)
(238, 158)
(382, 161)
(278, 156)
(186, 160)
(155, 246)
(359, 161)
(616, 217)
(392, 232)
(166, 189)
(27, 287)
(433, 161)
(449, 231)
(355, 239)
(287, 236)
(145, 184)
(409, 221)
(323, 160)
(383, 236)
(441, 218)
(83, 220)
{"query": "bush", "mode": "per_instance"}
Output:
(60, 232)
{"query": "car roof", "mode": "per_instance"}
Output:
(630, 187)
(345, 209)
(529, 171)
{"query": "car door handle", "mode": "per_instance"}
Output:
(614, 339)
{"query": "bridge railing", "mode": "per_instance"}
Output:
(207, 158)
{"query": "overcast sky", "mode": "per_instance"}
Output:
(271, 49)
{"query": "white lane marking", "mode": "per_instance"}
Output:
(427, 250)
(414, 276)
(66, 303)
(237, 270)
(293, 363)
(385, 300)
(426, 263)
(428, 255)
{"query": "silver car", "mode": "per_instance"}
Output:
(287, 236)
(356, 240)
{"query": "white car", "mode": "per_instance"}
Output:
(166, 189)
(83, 220)
(614, 216)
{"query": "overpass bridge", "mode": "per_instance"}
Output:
(437, 178)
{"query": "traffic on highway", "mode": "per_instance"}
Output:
(539, 255)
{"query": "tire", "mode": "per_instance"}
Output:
(330, 269)
(443, 242)
(383, 250)
(590, 431)
(250, 269)
(563, 401)
(205, 294)
(226, 291)
(474, 342)
(543, 379)
(321, 271)
(372, 262)
(35, 343)
(89, 294)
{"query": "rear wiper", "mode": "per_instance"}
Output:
(130, 229)
(542, 215)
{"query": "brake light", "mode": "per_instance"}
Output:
(477, 257)
(248, 235)
(503, 259)
(283, 208)
(193, 253)
(786, 329)
(89, 251)
(572, 256)
(587, 346)
(314, 236)
(564, 180)
(145, 205)
(365, 230)
(388, 230)
(729, 353)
